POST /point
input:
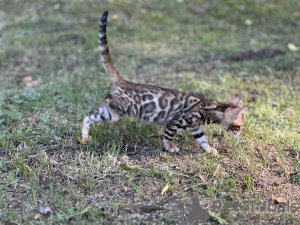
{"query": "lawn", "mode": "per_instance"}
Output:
(51, 75)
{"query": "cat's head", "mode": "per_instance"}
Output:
(233, 120)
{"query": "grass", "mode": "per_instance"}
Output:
(185, 45)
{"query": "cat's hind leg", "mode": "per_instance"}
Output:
(95, 116)
(200, 137)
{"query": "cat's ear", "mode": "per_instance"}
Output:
(234, 101)
(234, 113)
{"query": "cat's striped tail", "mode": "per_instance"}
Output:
(105, 57)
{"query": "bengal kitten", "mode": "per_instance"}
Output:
(175, 110)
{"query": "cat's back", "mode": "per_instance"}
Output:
(150, 103)
(149, 93)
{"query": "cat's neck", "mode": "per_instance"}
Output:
(216, 112)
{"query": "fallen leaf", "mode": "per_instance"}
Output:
(53, 162)
(115, 16)
(37, 216)
(248, 22)
(216, 171)
(165, 189)
(44, 209)
(292, 47)
(222, 193)
(252, 41)
(131, 169)
(211, 176)
(27, 79)
(279, 200)
(25, 59)
(163, 165)
(79, 139)
(56, 6)
(61, 157)
(18, 102)
(224, 174)
(24, 185)
(32, 83)
(217, 218)
(86, 209)
(40, 201)
(202, 177)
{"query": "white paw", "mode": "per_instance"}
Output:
(211, 150)
(171, 150)
(176, 149)
(86, 138)
(214, 151)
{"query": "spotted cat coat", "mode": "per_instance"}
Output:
(174, 110)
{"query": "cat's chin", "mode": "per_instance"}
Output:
(233, 134)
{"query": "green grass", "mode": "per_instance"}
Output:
(185, 45)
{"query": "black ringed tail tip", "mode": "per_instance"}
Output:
(103, 19)
(104, 16)
(102, 31)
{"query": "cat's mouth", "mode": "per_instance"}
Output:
(232, 133)
(235, 129)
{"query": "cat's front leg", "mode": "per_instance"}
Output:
(169, 135)
(200, 137)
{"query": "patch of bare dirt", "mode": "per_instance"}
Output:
(257, 54)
